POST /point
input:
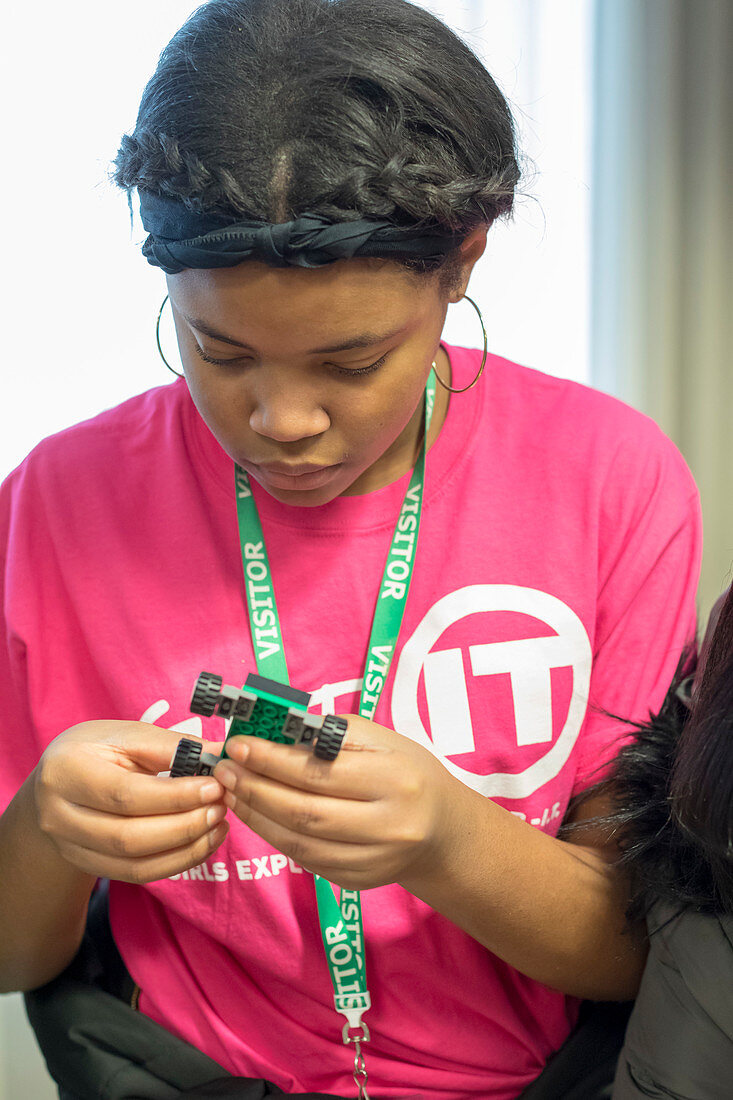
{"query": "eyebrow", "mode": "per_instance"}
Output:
(363, 340)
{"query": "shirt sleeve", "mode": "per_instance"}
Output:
(650, 543)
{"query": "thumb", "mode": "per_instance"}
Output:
(148, 747)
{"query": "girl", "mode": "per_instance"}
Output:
(317, 180)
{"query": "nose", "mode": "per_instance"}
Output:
(287, 413)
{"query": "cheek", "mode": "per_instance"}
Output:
(399, 402)
(369, 423)
(390, 419)
(223, 407)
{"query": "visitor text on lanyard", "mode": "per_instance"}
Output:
(340, 920)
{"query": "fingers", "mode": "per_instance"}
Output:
(361, 820)
(132, 744)
(135, 837)
(354, 866)
(100, 802)
(301, 812)
(80, 774)
(149, 868)
(357, 772)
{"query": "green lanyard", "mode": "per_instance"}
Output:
(341, 923)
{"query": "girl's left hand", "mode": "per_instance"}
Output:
(382, 811)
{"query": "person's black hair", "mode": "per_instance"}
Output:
(701, 788)
(671, 789)
(269, 109)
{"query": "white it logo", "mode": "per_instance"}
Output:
(529, 662)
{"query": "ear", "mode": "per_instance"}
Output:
(470, 251)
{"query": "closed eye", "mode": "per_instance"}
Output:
(360, 370)
(245, 359)
(218, 362)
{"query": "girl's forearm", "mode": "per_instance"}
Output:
(551, 909)
(44, 899)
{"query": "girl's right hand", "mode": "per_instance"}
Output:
(101, 802)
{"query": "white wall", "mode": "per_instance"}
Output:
(533, 282)
(80, 302)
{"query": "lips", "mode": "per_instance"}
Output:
(286, 470)
(296, 478)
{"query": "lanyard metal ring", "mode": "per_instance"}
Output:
(360, 1071)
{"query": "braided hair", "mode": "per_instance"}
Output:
(350, 109)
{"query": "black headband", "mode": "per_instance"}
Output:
(180, 238)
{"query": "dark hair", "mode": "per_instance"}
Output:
(671, 788)
(660, 861)
(701, 789)
(269, 109)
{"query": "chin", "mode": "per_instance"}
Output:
(303, 498)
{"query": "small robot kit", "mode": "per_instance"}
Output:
(262, 708)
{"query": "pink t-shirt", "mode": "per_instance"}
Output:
(554, 581)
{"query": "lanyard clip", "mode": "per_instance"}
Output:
(358, 1034)
(361, 1027)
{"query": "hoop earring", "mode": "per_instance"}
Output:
(157, 340)
(483, 360)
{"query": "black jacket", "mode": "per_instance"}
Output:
(679, 1041)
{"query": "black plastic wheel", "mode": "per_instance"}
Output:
(206, 694)
(186, 758)
(330, 738)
